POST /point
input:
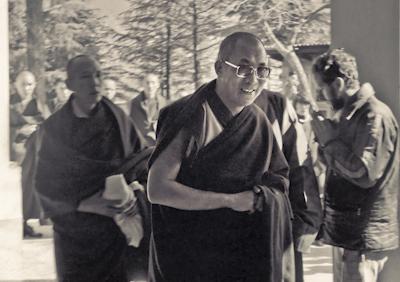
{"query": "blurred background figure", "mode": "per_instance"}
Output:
(59, 95)
(290, 83)
(145, 107)
(109, 88)
(25, 115)
(302, 107)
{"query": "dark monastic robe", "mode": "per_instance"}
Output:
(76, 156)
(221, 244)
(22, 115)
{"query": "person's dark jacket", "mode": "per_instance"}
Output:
(363, 177)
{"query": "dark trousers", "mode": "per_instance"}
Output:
(298, 262)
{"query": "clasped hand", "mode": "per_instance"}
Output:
(247, 201)
(98, 205)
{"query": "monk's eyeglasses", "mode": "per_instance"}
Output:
(244, 71)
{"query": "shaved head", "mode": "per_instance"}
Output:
(229, 44)
(77, 62)
(25, 84)
(24, 75)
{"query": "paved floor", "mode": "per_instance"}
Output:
(33, 260)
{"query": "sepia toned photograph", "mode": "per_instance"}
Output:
(200, 140)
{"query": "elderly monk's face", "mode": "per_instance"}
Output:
(237, 91)
(85, 80)
(25, 85)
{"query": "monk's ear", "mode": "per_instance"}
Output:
(339, 84)
(218, 67)
(69, 84)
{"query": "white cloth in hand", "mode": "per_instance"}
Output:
(131, 225)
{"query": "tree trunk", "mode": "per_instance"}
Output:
(36, 50)
(168, 62)
(196, 74)
(290, 56)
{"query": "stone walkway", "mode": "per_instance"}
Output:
(33, 260)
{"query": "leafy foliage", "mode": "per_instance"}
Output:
(293, 21)
(17, 37)
(175, 39)
(72, 28)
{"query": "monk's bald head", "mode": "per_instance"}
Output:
(229, 44)
(77, 63)
(25, 84)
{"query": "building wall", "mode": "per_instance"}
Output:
(4, 82)
(370, 30)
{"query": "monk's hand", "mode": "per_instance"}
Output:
(27, 129)
(242, 202)
(131, 208)
(98, 205)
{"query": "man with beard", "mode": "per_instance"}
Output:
(83, 143)
(218, 180)
(360, 149)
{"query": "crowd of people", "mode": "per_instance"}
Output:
(230, 183)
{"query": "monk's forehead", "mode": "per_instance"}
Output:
(83, 64)
(249, 50)
(26, 77)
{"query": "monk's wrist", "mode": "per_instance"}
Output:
(228, 201)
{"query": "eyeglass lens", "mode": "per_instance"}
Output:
(261, 72)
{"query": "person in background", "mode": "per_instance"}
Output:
(25, 116)
(144, 108)
(218, 180)
(83, 143)
(59, 95)
(303, 189)
(360, 147)
(109, 88)
(303, 109)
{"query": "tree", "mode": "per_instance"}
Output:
(176, 39)
(71, 28)
(152, 41)
(55, 33)
(17, 37)
(205, 29)
(36, 49)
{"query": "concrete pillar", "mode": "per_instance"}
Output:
(4, 84)
(370, 30)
